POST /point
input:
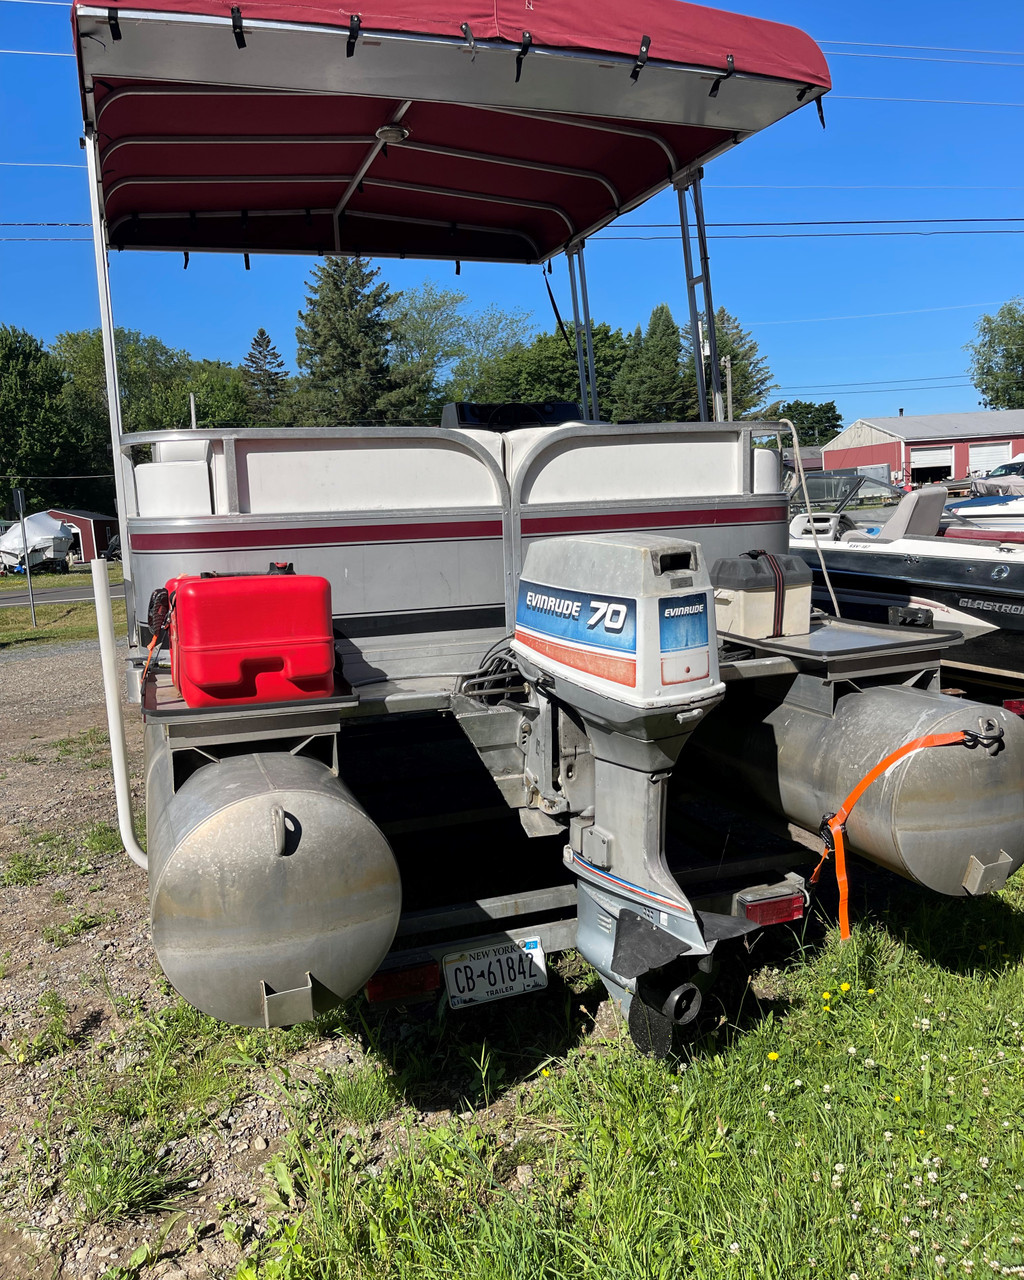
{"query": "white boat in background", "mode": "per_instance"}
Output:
(916, 567)
(49, 542)
(1001, 512)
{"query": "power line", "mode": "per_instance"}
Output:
(905, 57)
(871, 44)
(831, 235)
(775, 186)
(871, 382)
(36, 53)
(657, 226)
(942, 102)
(877, 315)
(38, 164)
(831, 222)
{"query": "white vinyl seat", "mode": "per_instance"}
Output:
(917, 515)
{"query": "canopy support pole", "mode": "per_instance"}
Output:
(113, 387)
(577, 329)
(588, 335)
(703, 345)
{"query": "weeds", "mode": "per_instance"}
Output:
(91, 747)
(51, 1038)
(61, 935)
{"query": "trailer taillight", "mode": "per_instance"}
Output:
(766, 911)
(415, 983)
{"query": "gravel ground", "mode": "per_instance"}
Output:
(55, 780)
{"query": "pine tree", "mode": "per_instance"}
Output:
(344, 338)
(265, 379)
(626, 405)
(659, 389)
(751, 378)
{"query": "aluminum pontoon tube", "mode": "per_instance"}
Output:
(115, 724)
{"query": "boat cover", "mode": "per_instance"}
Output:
(500, 133)
(43, 532)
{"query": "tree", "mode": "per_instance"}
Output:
(547, 369)
(997, 357)
(37, 435)
(152, 378)
(264, 379)
(487, 337)
(816, 424)
(751, 378)
(345, 339)
(659, 390)
(626, 404)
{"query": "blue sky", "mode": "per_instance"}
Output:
(876, 160)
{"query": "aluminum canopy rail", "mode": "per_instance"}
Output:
(698, 294)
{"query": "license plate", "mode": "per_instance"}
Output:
(492, 973)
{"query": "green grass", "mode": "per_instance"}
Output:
(78, 576)
(50, 1035)
(56, 622)
(60, 935)
(43, 854)
(91, 747)
(875, 1130)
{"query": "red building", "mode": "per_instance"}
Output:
(930, 447)
(94, 530)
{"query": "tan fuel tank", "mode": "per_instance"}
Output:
(273, 895)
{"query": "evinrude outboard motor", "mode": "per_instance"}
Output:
(618, 632)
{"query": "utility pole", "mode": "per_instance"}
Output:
(19, 506)
(192, 408)
(727, 366)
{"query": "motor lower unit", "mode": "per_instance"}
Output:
(273, 895)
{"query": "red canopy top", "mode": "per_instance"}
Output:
(411, 130)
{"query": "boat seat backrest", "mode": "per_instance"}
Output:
(918, 514)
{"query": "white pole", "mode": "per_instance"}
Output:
(115, 723)
(192, 408)
(110, 367)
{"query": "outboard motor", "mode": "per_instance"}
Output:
(618, 631)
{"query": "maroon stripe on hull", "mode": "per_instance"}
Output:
(337, 535)
(447, 531)
(652, 520)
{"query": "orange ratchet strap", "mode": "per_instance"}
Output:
(833, 825)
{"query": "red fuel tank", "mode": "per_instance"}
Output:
(251, 639)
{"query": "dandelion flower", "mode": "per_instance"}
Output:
(544, 1071)
(826, 995)
(896, 1098)
(773, 1057)
(871, 991)
(844, 986)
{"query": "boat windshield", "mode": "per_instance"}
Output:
(834, 491)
